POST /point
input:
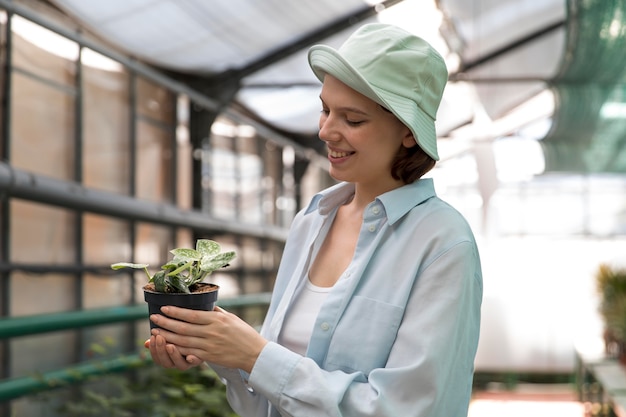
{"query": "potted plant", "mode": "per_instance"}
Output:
(180, 281)
(611, 286)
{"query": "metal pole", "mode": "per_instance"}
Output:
(45, 323)
(5, 207)
(33, 187)
(19, 387)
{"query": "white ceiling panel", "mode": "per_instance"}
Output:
(208, 37)
(521, 38)
(487, 25)
(204, 36)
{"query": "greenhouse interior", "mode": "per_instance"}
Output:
(133, 127)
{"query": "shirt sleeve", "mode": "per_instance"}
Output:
(430, 366)
(241, 397)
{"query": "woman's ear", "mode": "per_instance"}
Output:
(409, 140)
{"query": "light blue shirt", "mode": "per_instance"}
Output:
(397, 334)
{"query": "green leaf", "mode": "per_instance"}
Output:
(173, 392)
(191, 389)
(179, 284)
(207, 247)
(121, 265)
(180, 269)
(184, 254)
(97, 348)
(160, 284)
(211, 263)
(170, 265)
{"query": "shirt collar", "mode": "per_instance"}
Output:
(400, 201)
(332, 197)
(396, 202)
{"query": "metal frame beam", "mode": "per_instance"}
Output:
(461, 74)
(320, 34)
(26, 185)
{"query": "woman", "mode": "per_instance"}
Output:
(376, 306)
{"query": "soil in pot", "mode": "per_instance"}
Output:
(203, 297)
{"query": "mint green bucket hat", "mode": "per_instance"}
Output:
(396, 69)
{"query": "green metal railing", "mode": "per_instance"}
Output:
(44, 323)
(13, 388)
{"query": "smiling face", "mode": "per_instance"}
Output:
(362, 137)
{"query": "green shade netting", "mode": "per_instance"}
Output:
(588, 133)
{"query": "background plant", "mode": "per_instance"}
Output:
(611, 287)
(144, 391)
(152, 392)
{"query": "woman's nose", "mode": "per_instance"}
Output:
(327, 132)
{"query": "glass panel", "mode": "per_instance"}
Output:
(111, 340)
(109, 291)
(606, 206)
(106, 240)
(154, 163)
(250, 172)
(156, 107)
(53, 134)
(106, 129)
(41, 234)
(153, 245)
(155, 102)
(43, 53)
(41, 293)
(184, 153)
(223, 177)
(4, 234)
(45, 147)
(3, 60)
(30, 359)
(272, 180)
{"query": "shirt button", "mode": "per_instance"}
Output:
(376, 210)
(372, 228)
(325, 326)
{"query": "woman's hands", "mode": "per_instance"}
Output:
(197, 336)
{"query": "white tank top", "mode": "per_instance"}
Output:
(300, 319)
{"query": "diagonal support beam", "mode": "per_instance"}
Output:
(322, 33)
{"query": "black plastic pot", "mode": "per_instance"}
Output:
(203, 300)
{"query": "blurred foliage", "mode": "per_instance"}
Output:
(143, 391)
(151, 391)
(611, 287)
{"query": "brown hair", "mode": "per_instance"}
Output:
(410, 164)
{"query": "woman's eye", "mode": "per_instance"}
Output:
(349, 122)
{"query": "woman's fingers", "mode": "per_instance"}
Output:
(167, 355)
(214, 336)
(184, 321)
(158, 352)
(187, 315)
(194, 360)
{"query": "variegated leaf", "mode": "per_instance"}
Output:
(207, 247)
(211, 263)
(121, 265)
